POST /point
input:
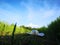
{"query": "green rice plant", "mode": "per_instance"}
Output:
(2, 31)
(7, 33)
(3, 27)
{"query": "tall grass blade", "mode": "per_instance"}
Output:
(13, 34)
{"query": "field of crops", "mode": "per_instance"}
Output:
(6, 29)
(17, 35)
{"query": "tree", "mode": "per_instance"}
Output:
(54, 30)
(42, 29)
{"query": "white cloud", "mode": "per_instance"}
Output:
(30, 11)
(32, 25)
(42, 13)
(48, 13)
(10, 14)
(33, 15)
(30, 14)
(38, 14)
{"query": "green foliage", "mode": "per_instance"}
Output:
(54, 30)
(54, 27)
(7, 29)
(42, 29)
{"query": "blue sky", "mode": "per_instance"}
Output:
(34, 13)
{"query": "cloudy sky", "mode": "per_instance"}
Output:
(34, 13)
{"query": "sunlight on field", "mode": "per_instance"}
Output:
(8, 29)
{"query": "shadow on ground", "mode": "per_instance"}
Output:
(25, 39)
